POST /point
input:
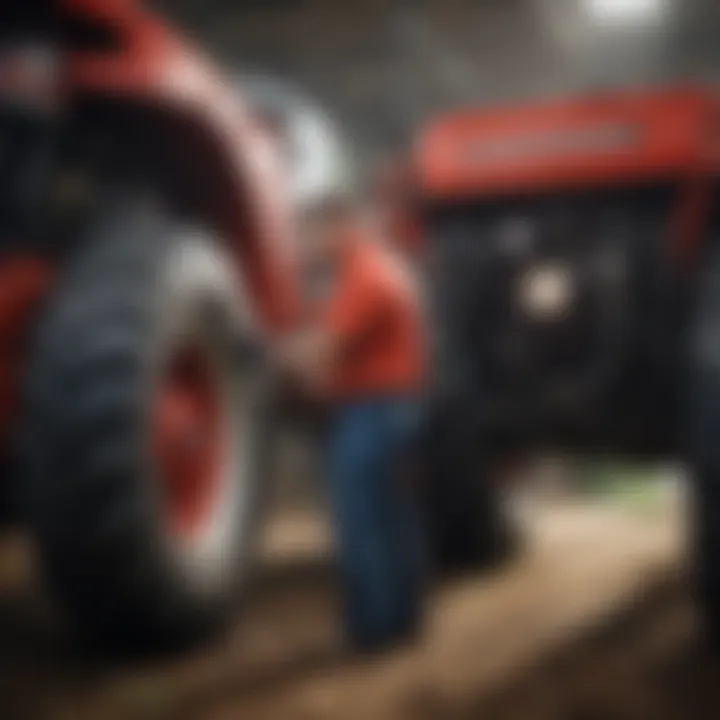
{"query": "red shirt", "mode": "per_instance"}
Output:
(374, 315)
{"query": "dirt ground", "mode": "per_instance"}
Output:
(593, 623)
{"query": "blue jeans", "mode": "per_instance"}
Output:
(377, 522)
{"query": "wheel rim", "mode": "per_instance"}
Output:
(188, 440)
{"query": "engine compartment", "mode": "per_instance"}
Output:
(560, 315)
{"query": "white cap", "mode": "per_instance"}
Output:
(320, 161)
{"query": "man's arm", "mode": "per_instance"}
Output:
(363, 303)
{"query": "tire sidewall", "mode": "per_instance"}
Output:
(197, 292)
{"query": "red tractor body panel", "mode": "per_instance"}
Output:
(23, 282)
(607, 139)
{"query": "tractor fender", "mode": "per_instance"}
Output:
(233, 157)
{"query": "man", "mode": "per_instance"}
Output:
(363, 352)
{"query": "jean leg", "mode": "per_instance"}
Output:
(402, 520)
(356, 481)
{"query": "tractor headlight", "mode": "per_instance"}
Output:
(547, 292)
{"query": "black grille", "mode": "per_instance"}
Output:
(527, 365)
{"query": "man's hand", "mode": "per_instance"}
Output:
(306, 357)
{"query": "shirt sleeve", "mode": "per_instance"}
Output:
(364, 302)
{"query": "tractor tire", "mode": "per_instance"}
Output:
(145, 436)
(469, 528)
(704, 450)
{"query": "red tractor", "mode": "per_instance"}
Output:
(573, 255)
(145, 242)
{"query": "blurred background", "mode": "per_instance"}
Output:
(383, 65)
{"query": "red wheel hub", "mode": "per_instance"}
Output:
(188, 440)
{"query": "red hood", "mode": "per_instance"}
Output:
(622, 137)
